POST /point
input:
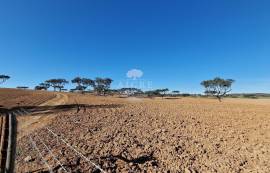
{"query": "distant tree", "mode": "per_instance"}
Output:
(39, 88)
(152, 93)
(82, 83)
(22, 87)
(4, 78)
(130, 91)
(72, 90)
(44, 86)
(102, 85)
(112, 91)
(186, 94)
(57, 83)
(162, 92)
(175, 92)
(80, 88)
(77, 80)
(217, 87)
(88, 83)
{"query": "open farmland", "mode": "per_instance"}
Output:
(149, 135)
(15, 102)
(10, 98)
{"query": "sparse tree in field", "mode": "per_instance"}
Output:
(82, 83)
(78, 81)
(102, 85)
(44, 85)
(152, 93)
(112, 91)
(80, 88)
(57, 83)
(88, 83)
(175, 93)
(217, 87)
(22, 87)
(130, 91)
(4, 78)
(39, 88)
(186, 94)
(163, 92)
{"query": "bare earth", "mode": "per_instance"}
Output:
(150, 135)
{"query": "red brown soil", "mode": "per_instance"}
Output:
(14, 97)
(154, 135)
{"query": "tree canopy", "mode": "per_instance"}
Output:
(162, 92)
(4, 78)
(130, 91)
(102, 85)
(217, 87)
(22, 87)
(57, 83)
(82, 83)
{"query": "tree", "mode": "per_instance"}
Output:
(39, 88)
(22, 87)
(4, 78)
(44, 85)
(162, 92)
(88, 83)
(152, 93)
(217, 87)
(175, 93)
(102, 85)
(82, 83)
(77, 80)
(57, 83)
(130, 91)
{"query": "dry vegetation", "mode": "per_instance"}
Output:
(153, 135)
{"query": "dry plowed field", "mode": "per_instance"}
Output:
(151, 135)
(15, 102)
(10, 98)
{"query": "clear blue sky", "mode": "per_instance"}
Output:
(176, 43)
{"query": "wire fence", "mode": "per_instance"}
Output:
(51, 153)
(40, 155)
(76, 150)
(58, 138)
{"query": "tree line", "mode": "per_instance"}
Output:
(100, 85)
(217, 87)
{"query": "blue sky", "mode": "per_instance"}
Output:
(176, 43)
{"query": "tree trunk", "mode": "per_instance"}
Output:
(219, 98)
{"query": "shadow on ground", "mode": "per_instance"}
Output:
(34, 110)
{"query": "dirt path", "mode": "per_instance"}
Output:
(58, 100)
(29, 123)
